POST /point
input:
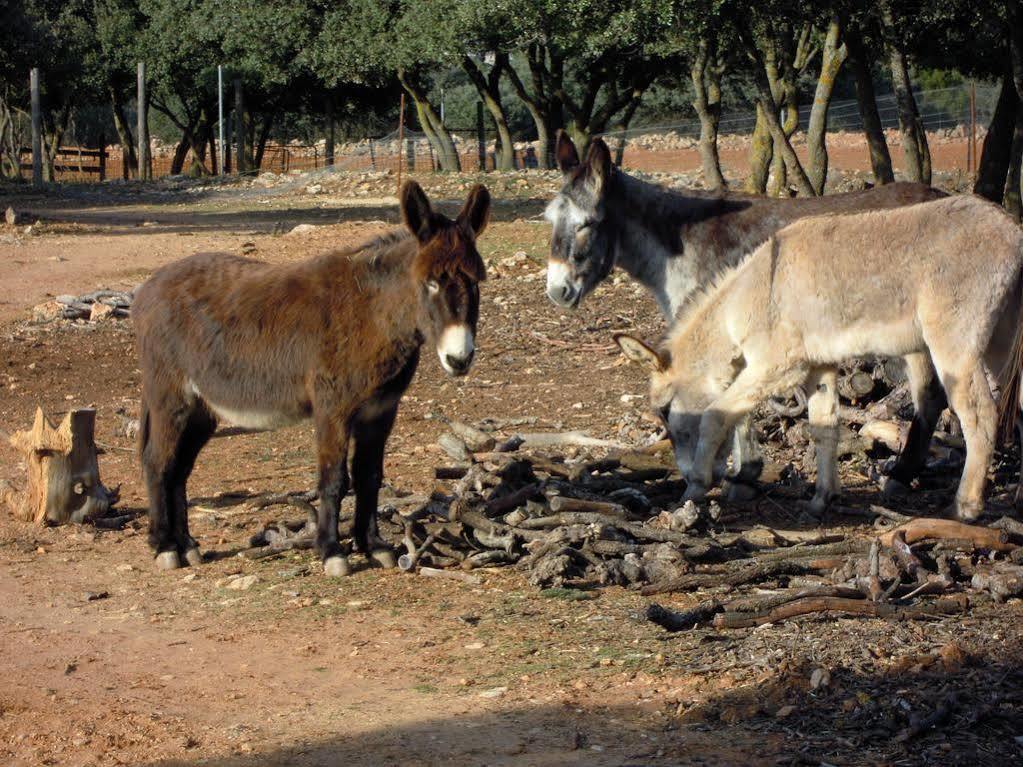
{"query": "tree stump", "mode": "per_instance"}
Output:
(63, 473)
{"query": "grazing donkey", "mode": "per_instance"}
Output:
(675, 243)
(905, 282)
(335, 338)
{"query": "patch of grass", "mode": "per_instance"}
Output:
(425, 689)
(569, 595)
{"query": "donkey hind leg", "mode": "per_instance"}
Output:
(161, 435)
(1018, 500)
(928, 402)
(747, 462)
(971, 399)
(198, 430)
(367, 474)
(752, 385)
(822, 410)
(332, 449)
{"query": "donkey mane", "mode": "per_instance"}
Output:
(666, 213)
(702, 300)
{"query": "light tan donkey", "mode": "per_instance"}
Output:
(939, 280)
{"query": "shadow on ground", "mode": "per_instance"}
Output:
(945, 707)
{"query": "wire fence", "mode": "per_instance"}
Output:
(946, 113)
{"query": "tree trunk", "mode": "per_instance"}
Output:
(769, 107)
(623, 126)
(914, 138)
(180, 153)
(996, 152)
(240, 133)
(1013, 202)
(63, 474)
(706, 76)
(489, 89)
(816, 133)
(443, 144)
(880, 157)
(129, 157)
(264, 136)
(328, 149)
(761, 152)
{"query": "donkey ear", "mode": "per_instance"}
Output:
(476, 210)
(638, 351)
(599, 165)
(416, 210)
(568, 158)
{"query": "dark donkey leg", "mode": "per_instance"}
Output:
(200, 427)
(928, 402)
(163, 422)
(332, 448)
(367, 474)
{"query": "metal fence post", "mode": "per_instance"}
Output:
(37, 128)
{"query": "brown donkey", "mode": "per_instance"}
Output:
(335, 338)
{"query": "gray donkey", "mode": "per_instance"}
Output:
(895, 283)
(675, 243)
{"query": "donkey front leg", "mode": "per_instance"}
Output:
(747, 462)
(822, 407)
(971, 399)
(332, 447)
(751, 386)
(928, 402)
(367, 474)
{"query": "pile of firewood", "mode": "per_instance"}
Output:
(610, 516)
(97, 305)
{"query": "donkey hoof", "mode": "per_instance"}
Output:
(336, 566)
(894, 490)
(168, 560)
(968, 511)
(694, 492)
(193, 556)
(738, 492)
(383, 558)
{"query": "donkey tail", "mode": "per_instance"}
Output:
(1010, 382)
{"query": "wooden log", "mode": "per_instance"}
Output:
(475, 440)
(812, 605)
(63, 472)
(564, 503)
(888, 433)
(856, 385)
(535, 440)
(1001, 583)
(673, 620)
(923, 528)
(904, 556)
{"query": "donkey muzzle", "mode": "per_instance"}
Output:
(456, 349)
(562, 290)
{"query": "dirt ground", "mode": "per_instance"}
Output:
(108, 661)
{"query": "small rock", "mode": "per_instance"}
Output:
(784, 712)
(493, 692)
(92, 596)
(243, 582)
(13, 217)
(475, 646)
(820, 677)
(303, 229)
(99, 311)
(47, 312)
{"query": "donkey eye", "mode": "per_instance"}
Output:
(432, 285)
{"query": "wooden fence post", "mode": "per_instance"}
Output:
(102, 157)
(481, 136)
(239, 127)
(401, 136)
(328, 149)
(37, 128)
(145, 161)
